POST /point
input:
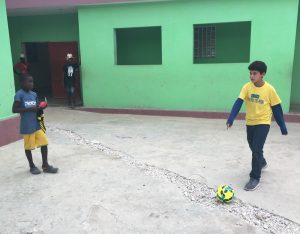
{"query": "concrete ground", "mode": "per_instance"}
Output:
(143, 174)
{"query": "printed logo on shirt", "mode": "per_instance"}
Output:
(70, 71)
(255, 98)
(29, 104)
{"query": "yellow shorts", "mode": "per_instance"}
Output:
(35, 140)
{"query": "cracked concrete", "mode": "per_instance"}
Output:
(128, 174)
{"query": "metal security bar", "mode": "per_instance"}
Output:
(204, 41)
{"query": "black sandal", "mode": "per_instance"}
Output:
(35, 171)
(50, 169)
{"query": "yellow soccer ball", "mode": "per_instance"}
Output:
(225, 193)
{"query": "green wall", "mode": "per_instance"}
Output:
(6, 75)
(232, 43)
(295, 96)
(138, 46)
(41, 28)
(178, 83)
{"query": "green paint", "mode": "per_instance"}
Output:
(138, 46)
(41, 28)
(295, 95)
(6, 74)
(178, 83)
(232, 43)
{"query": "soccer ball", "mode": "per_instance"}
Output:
(225, 193)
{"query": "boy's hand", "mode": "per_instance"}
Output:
(229, 123)
(228, 126)
(284, 131)
(43, 105)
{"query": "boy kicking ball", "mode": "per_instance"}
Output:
(26, 103)
(261, 101)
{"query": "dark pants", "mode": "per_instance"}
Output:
(256, 136)
(70, 90)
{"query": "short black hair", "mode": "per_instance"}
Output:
(24, 77)
(258, 66)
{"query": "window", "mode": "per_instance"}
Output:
(138, 46)
(222, 42)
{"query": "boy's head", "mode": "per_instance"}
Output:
(258, 70)
(27, 82)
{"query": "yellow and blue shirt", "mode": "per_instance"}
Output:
(259, 101)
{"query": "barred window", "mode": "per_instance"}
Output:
(204, 42)
(227, 42)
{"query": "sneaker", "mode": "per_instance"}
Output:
(50, 169)
(252, 184)
(35, 171)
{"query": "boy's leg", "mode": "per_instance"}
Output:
(263, 163)
(67, 87)
(42, 141)
(258, 141)
(44, 152)
(73, 101)
(29, 158)
(33, 169)
(72, 93)
(250, 133)
(69, 101)
(46, 167)
(29, 143)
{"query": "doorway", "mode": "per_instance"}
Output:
(46, 61)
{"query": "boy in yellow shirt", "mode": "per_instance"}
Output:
(262, 102)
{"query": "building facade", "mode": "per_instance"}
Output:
(189, 55)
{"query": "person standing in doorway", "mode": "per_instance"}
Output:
(21, 68)
(69, 70)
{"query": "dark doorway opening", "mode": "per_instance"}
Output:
(37, 56)
(46, 61)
